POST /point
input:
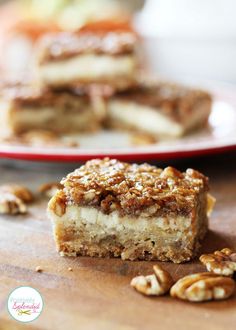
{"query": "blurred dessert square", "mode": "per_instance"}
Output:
(102, 53)
(28, 106)
(160, 109)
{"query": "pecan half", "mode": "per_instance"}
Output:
(156, 284)
(220, 262)
(10, 204)
(49, 189)
(203, 287)
(19, 191)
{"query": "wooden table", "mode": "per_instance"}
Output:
(96, 294)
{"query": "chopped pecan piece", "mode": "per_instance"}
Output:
(220, 262)
(155, 285)
(19, 191)
(10, 204)
(139, 139)
(50, 189)
(203, 287)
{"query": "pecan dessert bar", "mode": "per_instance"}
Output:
(162, 109)
(99, 53)
(109, 208)
(27, 107)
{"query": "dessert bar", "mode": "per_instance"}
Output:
(160, 109)
(109, 208)
(99, 53)
(27, 107)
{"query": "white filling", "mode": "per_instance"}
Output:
(143, 118)
(87, 67)
(113, 222)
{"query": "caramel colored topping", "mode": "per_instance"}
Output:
(113, 38)
(133, 189)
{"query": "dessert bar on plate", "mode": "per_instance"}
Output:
(99, 53)
(160, 109)
(27, 107)
(108, 208)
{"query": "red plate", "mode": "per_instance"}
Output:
(221, 136)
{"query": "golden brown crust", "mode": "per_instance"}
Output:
(134, 189)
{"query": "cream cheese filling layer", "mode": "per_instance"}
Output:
(143, 118)
(87, 67)
(113, 222)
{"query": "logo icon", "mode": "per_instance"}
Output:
(25, 304)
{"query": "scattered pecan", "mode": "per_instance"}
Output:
(143, 139)
(203, 287)
(40, 138)
(220, 262)
(38, 269)
(49, 189)
(156, 284)
(10, 204)
(164, 278)
(20, 192)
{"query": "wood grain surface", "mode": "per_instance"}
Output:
(96, 294)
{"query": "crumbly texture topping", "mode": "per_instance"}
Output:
(133, 189)
(172, 99)
(30, 94)
(100, 38)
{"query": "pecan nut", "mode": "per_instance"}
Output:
(220, 262)
(156, 284)
(10, 204)
(19, 191)
(49, 189)
(203, 287)
(142, 139)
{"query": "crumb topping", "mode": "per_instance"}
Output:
(99, 38)
(30, 94)
(133, 189)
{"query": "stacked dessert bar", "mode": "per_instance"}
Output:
(88, 79)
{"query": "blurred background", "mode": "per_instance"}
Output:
(195, 38)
